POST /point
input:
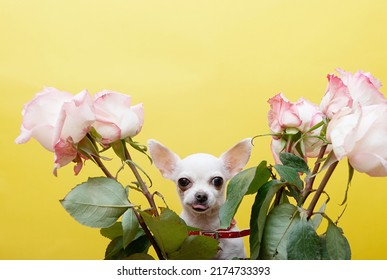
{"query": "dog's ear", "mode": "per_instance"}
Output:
(164, 159)
(237, 156)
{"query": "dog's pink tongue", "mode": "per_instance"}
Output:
(199, 206)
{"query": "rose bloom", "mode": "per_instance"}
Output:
(363, 87)
(348, 88)
(115, 117)
(58, 121)
(360, 134)
(282, 114)
(337, 96)
(285, 116)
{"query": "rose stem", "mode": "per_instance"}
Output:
(98, 160)
(103, 167)
(309, 184)
(152, 203)
(149, 235)
(142, 184)
(320, 189)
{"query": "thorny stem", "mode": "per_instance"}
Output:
(289, 143)
(309, 184)
(141, 182)
(320, 189)
(149, 235)
(103, 167)
(151, 201)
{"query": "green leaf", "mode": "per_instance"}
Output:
(119, 149)
(290, 175)
(262, 174)
(259, 213)
(330, 159)
(317, 218)
(295, 162)
(316, 126)
(113, 231)
(89, 149)
(336, 244)
(168, 229)
(115, 251)
(303, 242)
(139, 147)
(351, 171)
(196, 248)
(246, 182)
(95, 135)
(130, 227)
(99, 202)
(278, 225)
(323, 246)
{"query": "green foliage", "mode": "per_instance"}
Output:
(196, 248)
(336, 245)
(259, 213)
(113, 231)
(279, 224)
(351, 171)
(246, 182)
(116, 251)
(99, 202)
(139, 147)
(119, 149)
(168, 229)
(295, 162)
(303, 242)
(130, 227)
(290, 175)
(171, 235)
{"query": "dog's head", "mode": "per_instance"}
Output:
(200, 178)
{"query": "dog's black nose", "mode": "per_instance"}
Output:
(201, 197)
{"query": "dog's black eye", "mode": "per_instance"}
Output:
(183, 182)
(217, 181)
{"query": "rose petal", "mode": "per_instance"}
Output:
(115, 118)
(65, 152)
(363, 87)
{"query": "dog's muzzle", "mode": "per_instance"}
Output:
(200, 204)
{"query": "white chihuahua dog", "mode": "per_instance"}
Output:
(201, 182)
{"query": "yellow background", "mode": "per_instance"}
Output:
(204, 71)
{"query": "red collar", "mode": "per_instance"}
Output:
(222, 233)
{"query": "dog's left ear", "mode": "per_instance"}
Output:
(237, 156)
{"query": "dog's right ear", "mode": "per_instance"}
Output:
(164, 159)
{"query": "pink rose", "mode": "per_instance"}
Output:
(282, 114)
(336, 97)
(360, 134)
(58, 121)
(115, 117)
(363, 87)
(309, 114)
(290, 118)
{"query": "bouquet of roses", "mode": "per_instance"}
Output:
(350, 122)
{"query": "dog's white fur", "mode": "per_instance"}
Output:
(203, 196)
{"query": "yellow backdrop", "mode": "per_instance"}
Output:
(204, 71)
